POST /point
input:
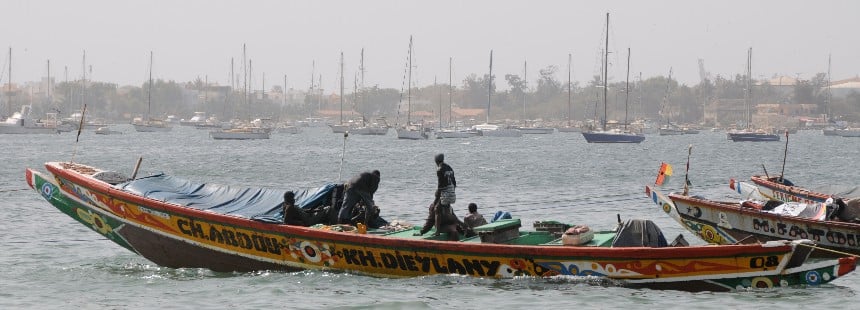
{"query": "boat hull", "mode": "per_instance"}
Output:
(455, 134)
(370, 131)
(752, 137)
(536, 130)
(152, 128)
(730, 223)
(176, 236)
(409, 134)
(612, 137)
(239, 135)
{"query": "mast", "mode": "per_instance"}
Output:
(341, 88)
(829, 96)
(748, 93)
(284, 99)
(245, 79)
(84, 80)
(605, 73)
(490, 87)
(50, 97)
(205, 91)
(361, 68)
(450, 91)
(440, 101)
(250, 87)
(9, 86)
(409, 87)
(627, 89)
(149, 93)
(569, 60)
(526, 85)
(66, 77)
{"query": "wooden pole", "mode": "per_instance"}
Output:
(687, 171)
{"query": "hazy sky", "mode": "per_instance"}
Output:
(198, 38)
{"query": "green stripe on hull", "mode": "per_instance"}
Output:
(94, 219)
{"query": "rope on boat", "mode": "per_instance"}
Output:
(829, 250)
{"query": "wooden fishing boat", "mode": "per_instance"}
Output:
(725, 222)
(176, 223)
(779, 188)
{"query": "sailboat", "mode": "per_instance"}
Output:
(668, 129)
(748, 134)
(148, 124)
(21, 122)
(569, 127)
(491, 130)
(252, 130)
(615, 135)
(340, 127)
(526, 128)
(410, 131)
(377, 128)
(450, 131)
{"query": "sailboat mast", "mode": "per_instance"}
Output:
(149, 93)
(829, 96)
(205, 90)
(361, 97)
(341, 88)
(748, 93)
(9, 86)
(605, 73)
(84, 79)
(50, 98)
(526, 88)
(569, 94)
(490, 87)
(409, 87)
(440, 101)
(627, 89)
(450, 90)
(245, 78)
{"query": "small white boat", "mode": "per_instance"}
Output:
(455, 133)
(107, 131)
(490, 130)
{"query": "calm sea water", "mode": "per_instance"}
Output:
(51, 261)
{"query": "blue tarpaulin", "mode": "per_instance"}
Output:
(262, 204)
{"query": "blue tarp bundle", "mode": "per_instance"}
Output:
(260, 204)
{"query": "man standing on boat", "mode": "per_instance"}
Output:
(359, 188)
(446, 183)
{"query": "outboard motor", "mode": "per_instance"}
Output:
(639, 233)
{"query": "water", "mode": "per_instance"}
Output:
(51, 261)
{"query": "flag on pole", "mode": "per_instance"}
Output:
(664, 174)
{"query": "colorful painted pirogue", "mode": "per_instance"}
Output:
(777, 188)
(175, 235)
(724, 222)
(836, 234)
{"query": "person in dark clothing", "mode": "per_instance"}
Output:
(474, 219)
(359, 188)
(446, 183)
(294, 215)
(443, 218)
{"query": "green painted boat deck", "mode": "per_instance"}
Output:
(601, 238)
